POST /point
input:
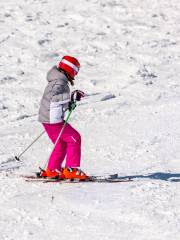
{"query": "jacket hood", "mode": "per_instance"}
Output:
(54, 74)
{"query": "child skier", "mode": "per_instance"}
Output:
(55, 101)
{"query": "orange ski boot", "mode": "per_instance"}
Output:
(57, 174)
(74, 173)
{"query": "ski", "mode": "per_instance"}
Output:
(95, 179)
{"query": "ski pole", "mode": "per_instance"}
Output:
(18, 157)
(73, 105)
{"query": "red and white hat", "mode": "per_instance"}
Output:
(70, 65)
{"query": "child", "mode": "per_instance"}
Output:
(55, 101)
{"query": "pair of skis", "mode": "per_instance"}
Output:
(93, 179)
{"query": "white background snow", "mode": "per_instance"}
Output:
(129, 51)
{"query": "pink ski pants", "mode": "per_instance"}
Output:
(69, 146)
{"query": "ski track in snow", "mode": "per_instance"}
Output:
(129, 119)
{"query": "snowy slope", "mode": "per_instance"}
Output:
(129, 121)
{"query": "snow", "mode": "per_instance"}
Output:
(129, 120)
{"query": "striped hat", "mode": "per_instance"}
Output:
(70, 65)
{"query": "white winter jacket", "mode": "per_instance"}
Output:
(55, 98)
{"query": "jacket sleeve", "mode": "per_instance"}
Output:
(59, 103)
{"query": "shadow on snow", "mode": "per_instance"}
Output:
(173, 177)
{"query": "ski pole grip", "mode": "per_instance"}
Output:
(73, 105)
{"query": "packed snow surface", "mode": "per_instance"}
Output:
(129, 52)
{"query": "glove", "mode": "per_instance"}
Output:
(77, 95)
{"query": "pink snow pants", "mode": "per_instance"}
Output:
(69, 146)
